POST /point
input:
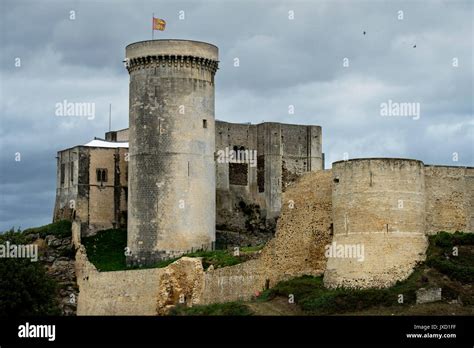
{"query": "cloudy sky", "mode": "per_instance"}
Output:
(312, 55)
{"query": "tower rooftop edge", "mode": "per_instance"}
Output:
(172, 47)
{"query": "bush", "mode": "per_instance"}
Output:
(26, 289)
(440, 255)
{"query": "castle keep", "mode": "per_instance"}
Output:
(172, 144)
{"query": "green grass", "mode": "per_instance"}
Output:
(251, 249)
(313, 298)
(311, 295)
(228, 309)
(60, 229)
(106, 250)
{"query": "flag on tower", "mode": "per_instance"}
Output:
(159, 24)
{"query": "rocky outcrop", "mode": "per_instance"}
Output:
(57, 254)
(181, 283)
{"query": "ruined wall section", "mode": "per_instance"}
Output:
(449, 199)
(301, 151)
(284, 152)
(303, 230)
(228, 193)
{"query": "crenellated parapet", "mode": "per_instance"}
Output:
(175, 61)
(173, 58)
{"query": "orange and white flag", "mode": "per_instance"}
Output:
(159, 24)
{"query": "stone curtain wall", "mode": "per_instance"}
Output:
(449, 199)
(115, 293)
(362, 202)
(297, 249)
(388, 206)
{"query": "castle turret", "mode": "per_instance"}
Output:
(378, 207)
(171, 205)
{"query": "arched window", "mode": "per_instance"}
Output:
(101, 174)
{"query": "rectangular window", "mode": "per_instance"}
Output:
(71, 171)
(62, 174)
(261, 173)
(204, 123)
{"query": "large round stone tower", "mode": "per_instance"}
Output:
(378, 207)
(171, 179)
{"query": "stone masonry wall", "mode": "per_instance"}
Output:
(365, 202)
(303, 229)
(379, 215)
(172, 143)
(449, 199)
(297, 249)
(115, 293)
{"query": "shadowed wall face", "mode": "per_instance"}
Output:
(172, 143)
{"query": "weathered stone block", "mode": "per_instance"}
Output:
(428, 295)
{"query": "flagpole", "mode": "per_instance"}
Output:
(152, 26)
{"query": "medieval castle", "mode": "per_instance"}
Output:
(177, 172)
(171, 188)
